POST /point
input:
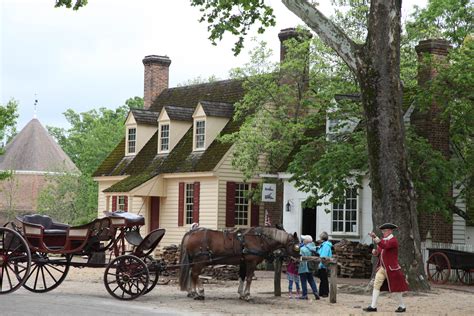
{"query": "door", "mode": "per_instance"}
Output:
(154, 212)
(309, 222)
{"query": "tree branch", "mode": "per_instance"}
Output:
(329, 32)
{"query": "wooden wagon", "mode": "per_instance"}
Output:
(442, 261)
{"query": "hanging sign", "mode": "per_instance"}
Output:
(269, 192)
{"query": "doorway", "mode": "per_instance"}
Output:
(309, 221)
(154, 212)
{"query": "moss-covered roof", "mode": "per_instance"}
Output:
(147, 163)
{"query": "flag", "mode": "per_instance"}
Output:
(267, 219)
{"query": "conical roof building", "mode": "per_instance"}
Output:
(32, 156)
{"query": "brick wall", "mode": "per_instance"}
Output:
(275, 209)
(156, 77)
(429, 125)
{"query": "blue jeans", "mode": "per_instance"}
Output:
(308, 277)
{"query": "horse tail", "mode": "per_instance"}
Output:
(184, 269)
(242, 270)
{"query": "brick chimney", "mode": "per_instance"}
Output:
(429, 124)
(156, 77)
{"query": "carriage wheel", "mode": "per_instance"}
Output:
(438, 268)
(47, 272)
(154, 272)
(466, 276)
(15, 260)
(126, 277)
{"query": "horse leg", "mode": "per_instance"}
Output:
(242, 274)
(196, 270)
(250, 272)
(190, 286)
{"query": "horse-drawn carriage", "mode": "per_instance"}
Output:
(37, 253)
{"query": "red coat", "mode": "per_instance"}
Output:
(388, 258)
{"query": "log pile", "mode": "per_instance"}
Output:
(353, 259)
(170, 255)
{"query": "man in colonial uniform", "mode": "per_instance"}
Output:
(389, 276)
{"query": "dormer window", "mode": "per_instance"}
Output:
(132, 140)
(200, 134)
(164, 137)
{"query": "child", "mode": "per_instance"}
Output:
(292, 275)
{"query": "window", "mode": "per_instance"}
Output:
(344, 216)
(200, 134)
(189, 203)
(164, 137)
(121, 203)
(132, 140)
(241, 204)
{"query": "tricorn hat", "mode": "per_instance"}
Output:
(388, 226)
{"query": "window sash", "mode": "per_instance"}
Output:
(132, 137)
(189, 202)
(121, 203)
(200, 132)
(164, 137)
(241, 204)
(345, 215)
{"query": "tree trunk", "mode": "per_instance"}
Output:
(377, 67)
(393, 198)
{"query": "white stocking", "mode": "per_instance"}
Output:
(375, 296)
(400, 300)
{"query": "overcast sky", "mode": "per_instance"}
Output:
(93, 57)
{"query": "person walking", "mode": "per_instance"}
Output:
(324, 250)
(305, 275)
(389, 276)
(293, 277)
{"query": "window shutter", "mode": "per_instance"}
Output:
(181, 204)
(196, 202)
(230, 204)
(125, 202)
(255, 210)
(114, 203)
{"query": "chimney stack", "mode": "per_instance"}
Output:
(283, 36)
(156, 77)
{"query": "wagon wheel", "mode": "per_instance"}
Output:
(126, 277)
(154, 272)
(47, 272)
(438, 268)
(466, 276)
(15, 260)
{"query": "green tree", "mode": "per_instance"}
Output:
(8, 117)
(91, 137)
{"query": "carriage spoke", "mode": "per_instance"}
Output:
(44, 279)
(57, 269)
(32, 271)
(51, 275)
(37, 275)
(1, 278)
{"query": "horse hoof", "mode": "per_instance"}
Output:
(199, 298)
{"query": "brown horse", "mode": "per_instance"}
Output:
(244, 247)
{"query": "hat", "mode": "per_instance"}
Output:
(307, 237)
(388, 226)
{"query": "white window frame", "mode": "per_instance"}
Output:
(121, 202)
(242, 205)
(189, 202)
(129, 141)
(162, 138)
(345, 210)
(196, 135)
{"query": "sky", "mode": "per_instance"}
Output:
(92, 58)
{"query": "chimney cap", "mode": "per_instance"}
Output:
(157, 59)
(293, 32)
(433, 46)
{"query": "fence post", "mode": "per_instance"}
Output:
(333, 282)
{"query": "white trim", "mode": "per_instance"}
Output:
(198, 120)
(127, 150)
(189, 175)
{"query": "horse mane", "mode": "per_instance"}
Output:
(276, 234)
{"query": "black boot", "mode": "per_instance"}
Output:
(400, 310)
(370, 309)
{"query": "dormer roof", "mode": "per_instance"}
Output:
(219, 109)
(179, 113)
(146, 117)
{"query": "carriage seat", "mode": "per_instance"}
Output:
(131, 218)
(50, 227)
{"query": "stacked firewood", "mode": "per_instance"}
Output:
(170, 255)
(222, 272)
(353, 259)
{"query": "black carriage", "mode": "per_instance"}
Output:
(37, 253)
(442, 261)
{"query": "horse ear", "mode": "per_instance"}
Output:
(295, 235)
